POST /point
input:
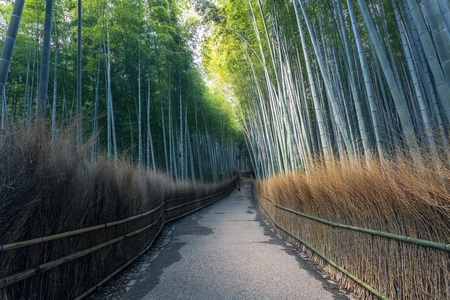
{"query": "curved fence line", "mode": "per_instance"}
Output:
(54, 263)
(407, 239)
(48, 238)
(106, 279)
(158, 222)
(375, 292)
(187, 212)
(325, 258)
(74, 232)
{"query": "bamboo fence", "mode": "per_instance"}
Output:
(371, 263)
(98, 252)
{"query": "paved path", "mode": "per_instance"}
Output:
(226, 251)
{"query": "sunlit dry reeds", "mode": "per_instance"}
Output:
(396, 196)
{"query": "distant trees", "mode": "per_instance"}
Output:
(336, 78)
(130, 74)
(7, 51)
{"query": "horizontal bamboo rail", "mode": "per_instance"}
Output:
(324, 257)
(106, 279)
(424, 243)
(161, 218)
(54, 263)
(220, 194)
(200, 199)
(407, 239)
(74, 232)
(48, 238)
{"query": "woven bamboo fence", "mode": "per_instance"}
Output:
(72, 265)
(370, 263)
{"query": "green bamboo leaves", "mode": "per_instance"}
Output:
(124, 75)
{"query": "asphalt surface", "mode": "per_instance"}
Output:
(225, 251)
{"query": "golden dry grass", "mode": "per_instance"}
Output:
(395, 196)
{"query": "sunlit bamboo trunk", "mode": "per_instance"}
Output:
(319, 113)
(399, 100)
(442, 85)
(338, 117)
(369, 89)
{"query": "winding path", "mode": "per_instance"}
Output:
(225, 251)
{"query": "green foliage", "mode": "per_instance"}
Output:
(143, 35)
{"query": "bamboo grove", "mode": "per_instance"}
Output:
(335, 79)
(123, 72)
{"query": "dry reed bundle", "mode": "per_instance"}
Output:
(394, 196)
(50, 188)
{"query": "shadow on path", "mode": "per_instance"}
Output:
(225, 251)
